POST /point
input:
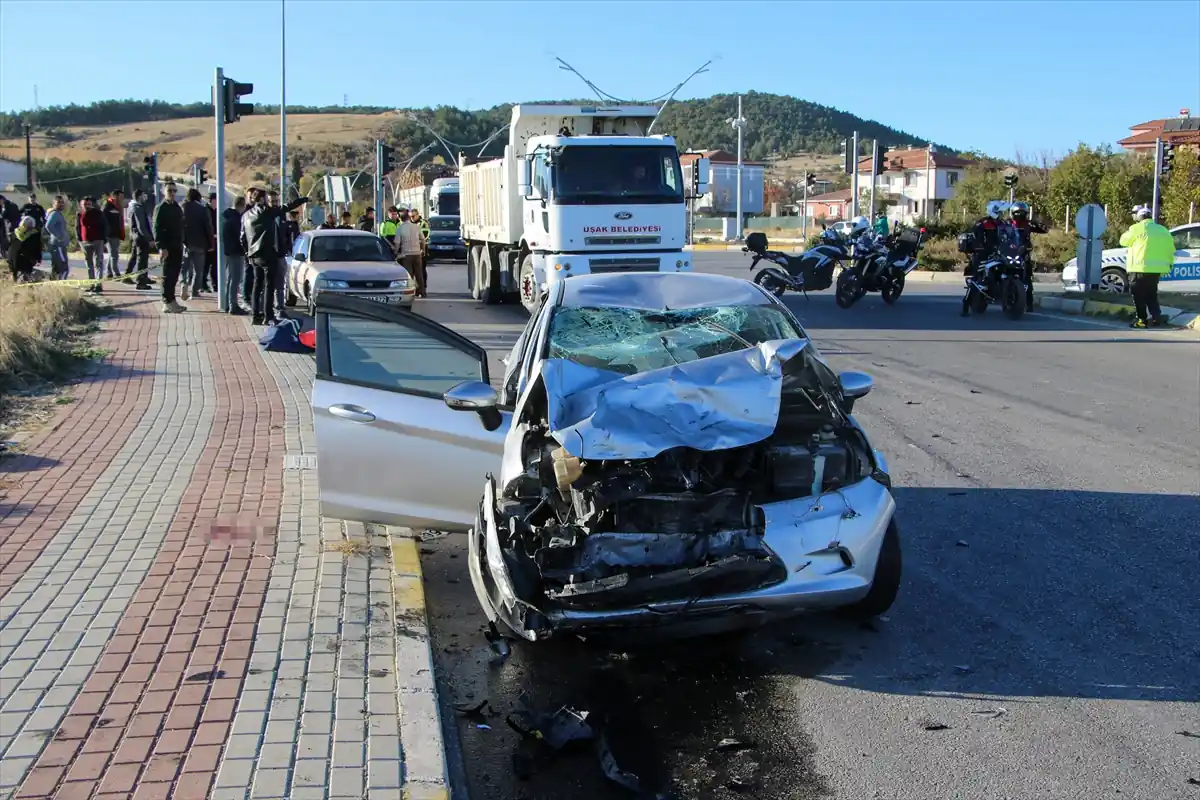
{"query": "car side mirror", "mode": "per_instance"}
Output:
(300, 257)
(479, 397)
(855, 385)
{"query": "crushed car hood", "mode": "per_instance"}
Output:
(713, 403)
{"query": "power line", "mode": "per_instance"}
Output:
(81, 177)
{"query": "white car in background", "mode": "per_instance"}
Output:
(356, 263)
(1184, 276)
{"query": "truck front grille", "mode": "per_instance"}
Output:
(594, 241)
(623, 264)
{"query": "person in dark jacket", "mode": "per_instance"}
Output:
(168, 235)
(35, 210)
(114, 218)
(10, 219)
(1019, 213)
(367, 221)
(987, 234)
(24, 250)
(197, 238)
(91, 229)
(235, 255)
(260, 230)
(210, 258)
(142, 234)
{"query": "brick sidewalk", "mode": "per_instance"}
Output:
(140, 659)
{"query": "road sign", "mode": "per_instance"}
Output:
(337, 189)
(1090, 225)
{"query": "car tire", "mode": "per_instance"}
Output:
(310, 302)
(531, 297)
(886, 583)
(1114, 280)
(489, 279)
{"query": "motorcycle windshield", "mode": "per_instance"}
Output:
(1008, 243)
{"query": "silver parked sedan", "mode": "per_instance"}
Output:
(347, 262)
(665, 450)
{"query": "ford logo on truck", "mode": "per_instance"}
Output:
(623, 215)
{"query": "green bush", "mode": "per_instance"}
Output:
(940, 255)
(944, 228)
(1052, 250)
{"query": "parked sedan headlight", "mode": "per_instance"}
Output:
(326, 283)
(402, 283)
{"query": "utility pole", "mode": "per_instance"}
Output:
(29, 158)
(874, 174)
(739, 123)
(854, 175)
(1158, 159)
(219, 121)
(283, 165)
(804, 215)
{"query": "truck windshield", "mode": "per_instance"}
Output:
(597, 175)
(446, 202)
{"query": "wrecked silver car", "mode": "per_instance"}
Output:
(663, 450)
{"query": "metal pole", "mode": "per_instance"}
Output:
(1191, 212)
(854, 175)
(1011, 191)
(283, 166)
(874, 173)
(28, 158)
(219, 120)
(804, 219)
(378, 182)
(1158, 152)
(928, 181)
(740, 123)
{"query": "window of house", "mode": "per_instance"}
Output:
(910, 179)
(951, 179)
(835, 211)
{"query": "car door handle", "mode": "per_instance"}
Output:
(352, 413)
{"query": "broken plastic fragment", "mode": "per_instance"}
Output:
(936, 726)
(991, 713)
(962, 667)
(961, 543)
(475, 713)
(731, 745)
(608, 763)
(429, 536)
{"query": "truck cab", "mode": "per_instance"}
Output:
(579, 190)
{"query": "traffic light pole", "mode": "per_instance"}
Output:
(804, 214)
(854, 176)
(874, 175)
(1158, 158)
(219, 118)
(378, 183)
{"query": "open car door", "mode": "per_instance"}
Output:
(389, 447)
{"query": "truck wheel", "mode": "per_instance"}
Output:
(488, 279)
(530, 296)
(473, 274)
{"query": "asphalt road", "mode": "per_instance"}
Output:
(1045, 640)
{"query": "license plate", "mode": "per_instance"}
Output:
(439, 247)
(378, 298)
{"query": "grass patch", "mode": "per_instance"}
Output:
(43, 330)
(349, 547)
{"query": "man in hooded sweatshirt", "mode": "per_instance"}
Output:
(58, 238)
(143, 234)
(114, 218)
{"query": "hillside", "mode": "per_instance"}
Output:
(117, 132)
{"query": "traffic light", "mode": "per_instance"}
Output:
(151, 167)
(233, 91)
(1168, 155)
(880, 159)
(201, 176)
(810, 180)
(387, 159)
(1010, 180)
(696, 178)
(850, 156)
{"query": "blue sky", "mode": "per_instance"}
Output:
(997, 76)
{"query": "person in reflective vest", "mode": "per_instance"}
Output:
(1151, 255)
(387, 228)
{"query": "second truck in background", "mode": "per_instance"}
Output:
(439, 199)
(579, 189)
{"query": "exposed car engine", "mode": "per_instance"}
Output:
(686, 523)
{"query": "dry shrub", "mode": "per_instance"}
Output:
(40, 325)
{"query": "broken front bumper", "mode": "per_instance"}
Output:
(828, 545)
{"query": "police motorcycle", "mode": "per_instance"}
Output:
(811, 271)
(881, 264)
(1000, 277)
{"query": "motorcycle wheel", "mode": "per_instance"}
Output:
(848, 289)
(893, 289)
(979, 302)
(769, 282)
(1014, 298)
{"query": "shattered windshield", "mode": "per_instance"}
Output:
(633, 340)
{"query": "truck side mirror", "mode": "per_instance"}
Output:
(524, 185)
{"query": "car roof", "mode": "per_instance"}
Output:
(338, 232)
(659, 291)
(445, 216)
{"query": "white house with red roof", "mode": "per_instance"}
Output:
(916, 182)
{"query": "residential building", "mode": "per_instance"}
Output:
(1182, 131)
(721, 198)
(916, 182)
(828, 206)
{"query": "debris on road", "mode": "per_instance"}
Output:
(1188, 734)
(961, 543)
(936, 726)
(732, 745)
(477, 713)
(613, 771)
(991, 713)
(429, 536)
(499, 645)
(962, 667)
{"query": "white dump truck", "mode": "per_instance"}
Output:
(438, 199)
(579, 189)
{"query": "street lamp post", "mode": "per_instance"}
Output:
(283, 172)
(739, 124)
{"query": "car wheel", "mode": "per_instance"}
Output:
(310, 301)
(289, 299)
(886, 584)
(1114, 280)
